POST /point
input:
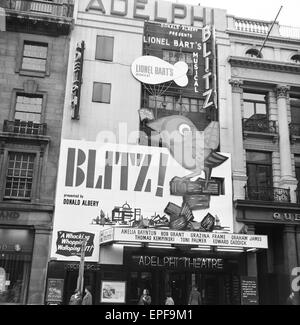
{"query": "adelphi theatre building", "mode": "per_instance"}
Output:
(145, 176)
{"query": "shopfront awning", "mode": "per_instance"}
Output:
(167, 237)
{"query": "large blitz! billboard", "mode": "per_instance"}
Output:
(104, 184)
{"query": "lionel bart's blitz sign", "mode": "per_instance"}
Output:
(126, 183)
(152, 70)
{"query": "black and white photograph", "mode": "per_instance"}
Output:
(149, 155)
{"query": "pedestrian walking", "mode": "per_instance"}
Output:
(292, 299)
(195, 297)
(169, 299)
(145, 298)
(88, 298)
(76, 298)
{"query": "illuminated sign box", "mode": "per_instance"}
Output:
(162, 236)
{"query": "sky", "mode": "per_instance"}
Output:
(257, 9)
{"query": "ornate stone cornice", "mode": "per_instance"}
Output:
(276, 39)
(289, 229)
(236, 85)
(282, 91)
(260, 64)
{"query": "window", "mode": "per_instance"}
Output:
(34, 56)
(42, 7)
(101, 92)
(28, 107)
(104, 48)
(297, 170)
(174, 56)
(255, 104)
(170, 103)
(295, 110)
(259, 169)
(296, 58)
(254, 53)
(19, 176)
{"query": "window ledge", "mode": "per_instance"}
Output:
(25, 206)
(254, 204)
(260, 135)
(42, 139)
(31, 73)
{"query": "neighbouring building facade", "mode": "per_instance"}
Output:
(123, 198)
(264, 124)
(34, 45)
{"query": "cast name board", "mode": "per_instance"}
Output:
(159, 11)
(176, 262)
(116, 234)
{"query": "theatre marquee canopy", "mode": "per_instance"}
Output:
(186, 238)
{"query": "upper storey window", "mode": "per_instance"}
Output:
(255, 104)
(254, 53)
(34, 56)
(104, 48)
(28, 107)
(296, 58)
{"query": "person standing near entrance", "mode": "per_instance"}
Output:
(145, 298)
(169, 299)
(292, 299)
(87, 299)
(195, 297)
(75, 298)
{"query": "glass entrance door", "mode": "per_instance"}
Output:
(178, 284)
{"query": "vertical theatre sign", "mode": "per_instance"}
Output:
(77, 80)
(193, 45)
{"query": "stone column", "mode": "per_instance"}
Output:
(251, 257)
(289, 253)
(286, 175)
(298, 253)
(37, 283)
(298, 243)
(239, 172)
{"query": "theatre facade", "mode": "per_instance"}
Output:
(145, 171)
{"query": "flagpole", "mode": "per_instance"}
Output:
(80, 279)
(259, 53)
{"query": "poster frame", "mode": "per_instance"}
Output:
(112, 283)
